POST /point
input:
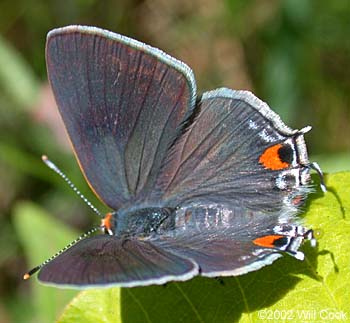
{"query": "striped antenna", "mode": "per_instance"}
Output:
(37, 268)
(51, 165)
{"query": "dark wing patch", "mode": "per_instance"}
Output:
(217, 159)
(222, 240)
(122, 103)
(106, 260)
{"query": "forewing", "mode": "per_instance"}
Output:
(122, 103)
(236, 152)
(105, 260)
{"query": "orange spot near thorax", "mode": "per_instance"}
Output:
(106, 221)
(270, 158)
(267, 241)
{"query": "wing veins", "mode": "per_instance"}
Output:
(197, 147)
(148, 127)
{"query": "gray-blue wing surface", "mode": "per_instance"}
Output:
(105, 260)
(122, 103)
(237, 152)
(225, 241)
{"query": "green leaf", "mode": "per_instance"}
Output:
(41, 237)
(94, 306)
(288, 290)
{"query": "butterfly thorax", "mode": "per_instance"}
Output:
(142, 222)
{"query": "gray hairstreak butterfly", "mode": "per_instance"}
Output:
(199, 185)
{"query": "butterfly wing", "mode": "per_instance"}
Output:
(122, 103)
(236, 152)
(237, 175)
(105, 260)
(230, 241)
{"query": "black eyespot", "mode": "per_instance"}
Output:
(289, 180)
(286, 153)
(281, 242)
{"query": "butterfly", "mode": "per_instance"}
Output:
(198, 185)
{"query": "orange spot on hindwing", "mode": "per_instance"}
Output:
(271, 241)
(277, 157)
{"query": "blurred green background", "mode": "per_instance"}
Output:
(293, 54)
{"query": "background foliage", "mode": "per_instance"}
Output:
(294, 54)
